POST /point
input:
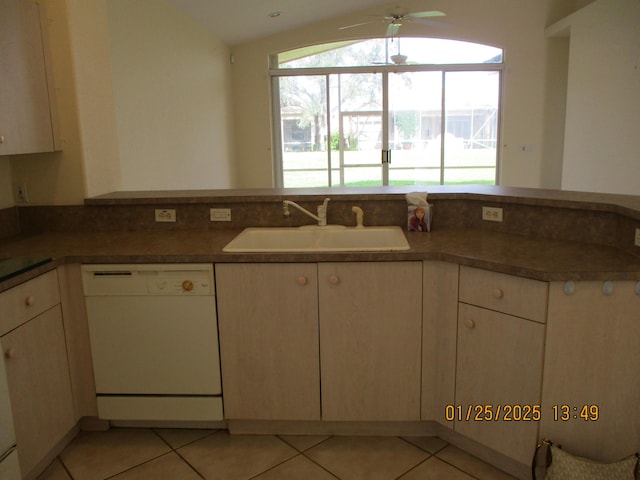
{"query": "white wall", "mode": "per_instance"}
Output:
(171, 81)
(516, 26)
(602, 138)
(93, 94)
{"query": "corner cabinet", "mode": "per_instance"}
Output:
(592, 372)
(35, 353)
(500, 352)
(359, 324)
(27, 109)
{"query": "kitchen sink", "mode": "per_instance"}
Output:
(311, 238)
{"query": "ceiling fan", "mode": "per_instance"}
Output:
(399, 15)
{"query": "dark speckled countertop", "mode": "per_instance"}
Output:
(540, 238)
(540, 259)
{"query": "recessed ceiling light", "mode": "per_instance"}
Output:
(275, 14)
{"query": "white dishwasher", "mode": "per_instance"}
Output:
(154, 341)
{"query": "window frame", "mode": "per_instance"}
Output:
(275, 73)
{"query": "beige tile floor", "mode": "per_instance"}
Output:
(177, 454)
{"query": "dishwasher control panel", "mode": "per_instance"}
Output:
(148, 279)
(194, 284)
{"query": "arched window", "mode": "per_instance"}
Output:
(391, 111)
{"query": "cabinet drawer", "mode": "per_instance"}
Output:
(28, 300)
(517, 296)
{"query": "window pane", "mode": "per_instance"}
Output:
(420, 50)
(356, 127)
(303, 106)
(415, 120)
(470, 142)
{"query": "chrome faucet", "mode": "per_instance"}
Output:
(321, 218)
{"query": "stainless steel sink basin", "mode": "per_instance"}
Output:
(332, 238)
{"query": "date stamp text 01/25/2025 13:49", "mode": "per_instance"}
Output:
(519, 413)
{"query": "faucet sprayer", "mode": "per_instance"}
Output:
(359, 216)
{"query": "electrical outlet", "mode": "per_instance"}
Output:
(165, 215)
(21, 193)
(492, 214)
(637, 240)
(220, 214)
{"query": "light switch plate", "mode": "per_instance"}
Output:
(637, 240)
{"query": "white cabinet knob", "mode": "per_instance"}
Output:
(470, 323)
(30, 300)
(11, 353)
(334, 280)
(302, 280)
(497, 293)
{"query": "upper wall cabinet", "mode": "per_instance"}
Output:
(27, 113)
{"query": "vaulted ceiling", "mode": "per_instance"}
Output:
(239, 21)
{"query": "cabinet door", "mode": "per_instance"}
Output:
(499, 364)
(268, 321)
(39, 386)
(26, 116)
(370, 340)
(592, 360)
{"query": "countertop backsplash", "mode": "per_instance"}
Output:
(584, 222)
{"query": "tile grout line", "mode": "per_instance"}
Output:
(189, 464)
(59, 458)
(429, 456)
(413, 468)
(302, 453)
(175, 449)
(137, 465)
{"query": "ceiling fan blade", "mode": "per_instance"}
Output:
(432, 13)
(392, 29)
(431, 23)
(354, 25)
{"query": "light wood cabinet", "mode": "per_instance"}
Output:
(499, 362)
(27, 108)
(38, 374)
(28, 300)
(268, 323)
(357, 323)
(591, 360)
(370, 340)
